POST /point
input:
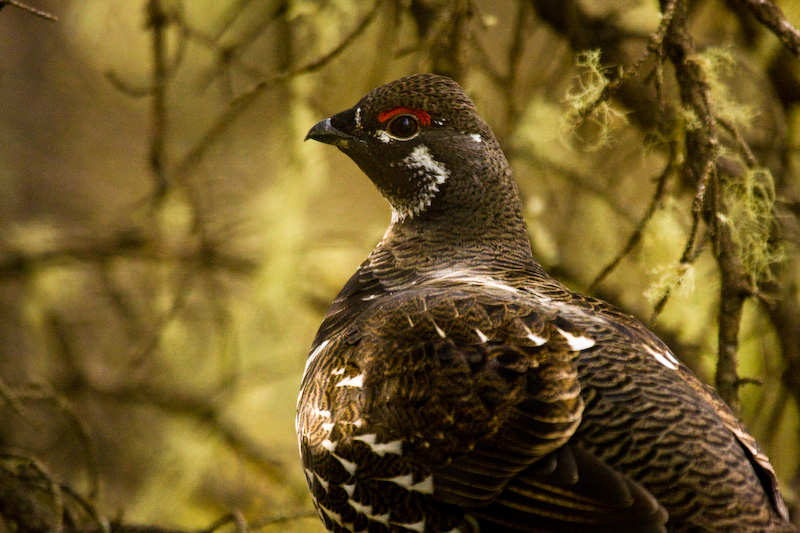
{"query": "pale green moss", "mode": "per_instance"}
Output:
(678, 280)
(749, 200)
(593, 127)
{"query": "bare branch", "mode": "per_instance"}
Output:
(22, 504)
(32, 10)
(222, 123)
(205, 410)
(158, 21)
(62, 406)
(7, 394)
(636, 236)
(701, 167)
(654, 45)
(771, 16)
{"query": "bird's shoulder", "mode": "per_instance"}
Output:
(477, 378)
(461, 345)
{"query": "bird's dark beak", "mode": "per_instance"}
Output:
(325, 132)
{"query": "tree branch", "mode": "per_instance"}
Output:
(700, 167)
(773, 18)
(32, 10)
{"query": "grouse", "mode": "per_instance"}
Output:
(455, 387)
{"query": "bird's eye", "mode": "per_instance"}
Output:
(403, 127)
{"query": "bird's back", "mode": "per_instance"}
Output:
(649, 417)
(528, 408)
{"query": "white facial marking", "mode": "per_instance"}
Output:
(439, 331)
(357, 381)
(358, 117)
(314, 355)
(537, 340)
(476, 137)
(431, 174)
(395, 446)
(576, 343)
(407, 482)
(383, 137)
(481, 335)
(665, 358)
(421, 159)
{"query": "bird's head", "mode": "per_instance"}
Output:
(423, 144)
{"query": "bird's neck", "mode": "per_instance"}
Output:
(468, 241)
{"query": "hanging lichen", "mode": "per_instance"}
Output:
(591, 118)
(749, 200)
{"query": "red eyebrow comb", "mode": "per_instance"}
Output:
(423, 116)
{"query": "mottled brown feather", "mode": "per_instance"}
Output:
(455, 387)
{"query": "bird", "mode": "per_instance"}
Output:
(455, 387)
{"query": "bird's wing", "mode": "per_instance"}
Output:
(572, 490)
(758, 459)
(483, 390)
(640, 335)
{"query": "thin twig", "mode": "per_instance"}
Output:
(749, 157)
(239, 105)
(44, 393)
(636, 236)
(205, 410)
(653, 47)
(577, 179)
(53, 486)
(235, 517)
(230, 15)
(318, 63)
(690, 254)
(153, 340)
(32, 10)
(101, 521)
(773, 18)
(7, 394)
(513, 59)
(158, 21)
(263, 523)
(702, 154)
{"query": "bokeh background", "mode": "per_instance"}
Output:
(168, 243)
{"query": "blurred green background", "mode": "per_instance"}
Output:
(168, 243)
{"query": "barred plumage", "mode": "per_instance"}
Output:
(455, 387)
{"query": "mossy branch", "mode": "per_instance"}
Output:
(700, 167)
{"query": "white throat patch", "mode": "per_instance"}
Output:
(431, 173)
